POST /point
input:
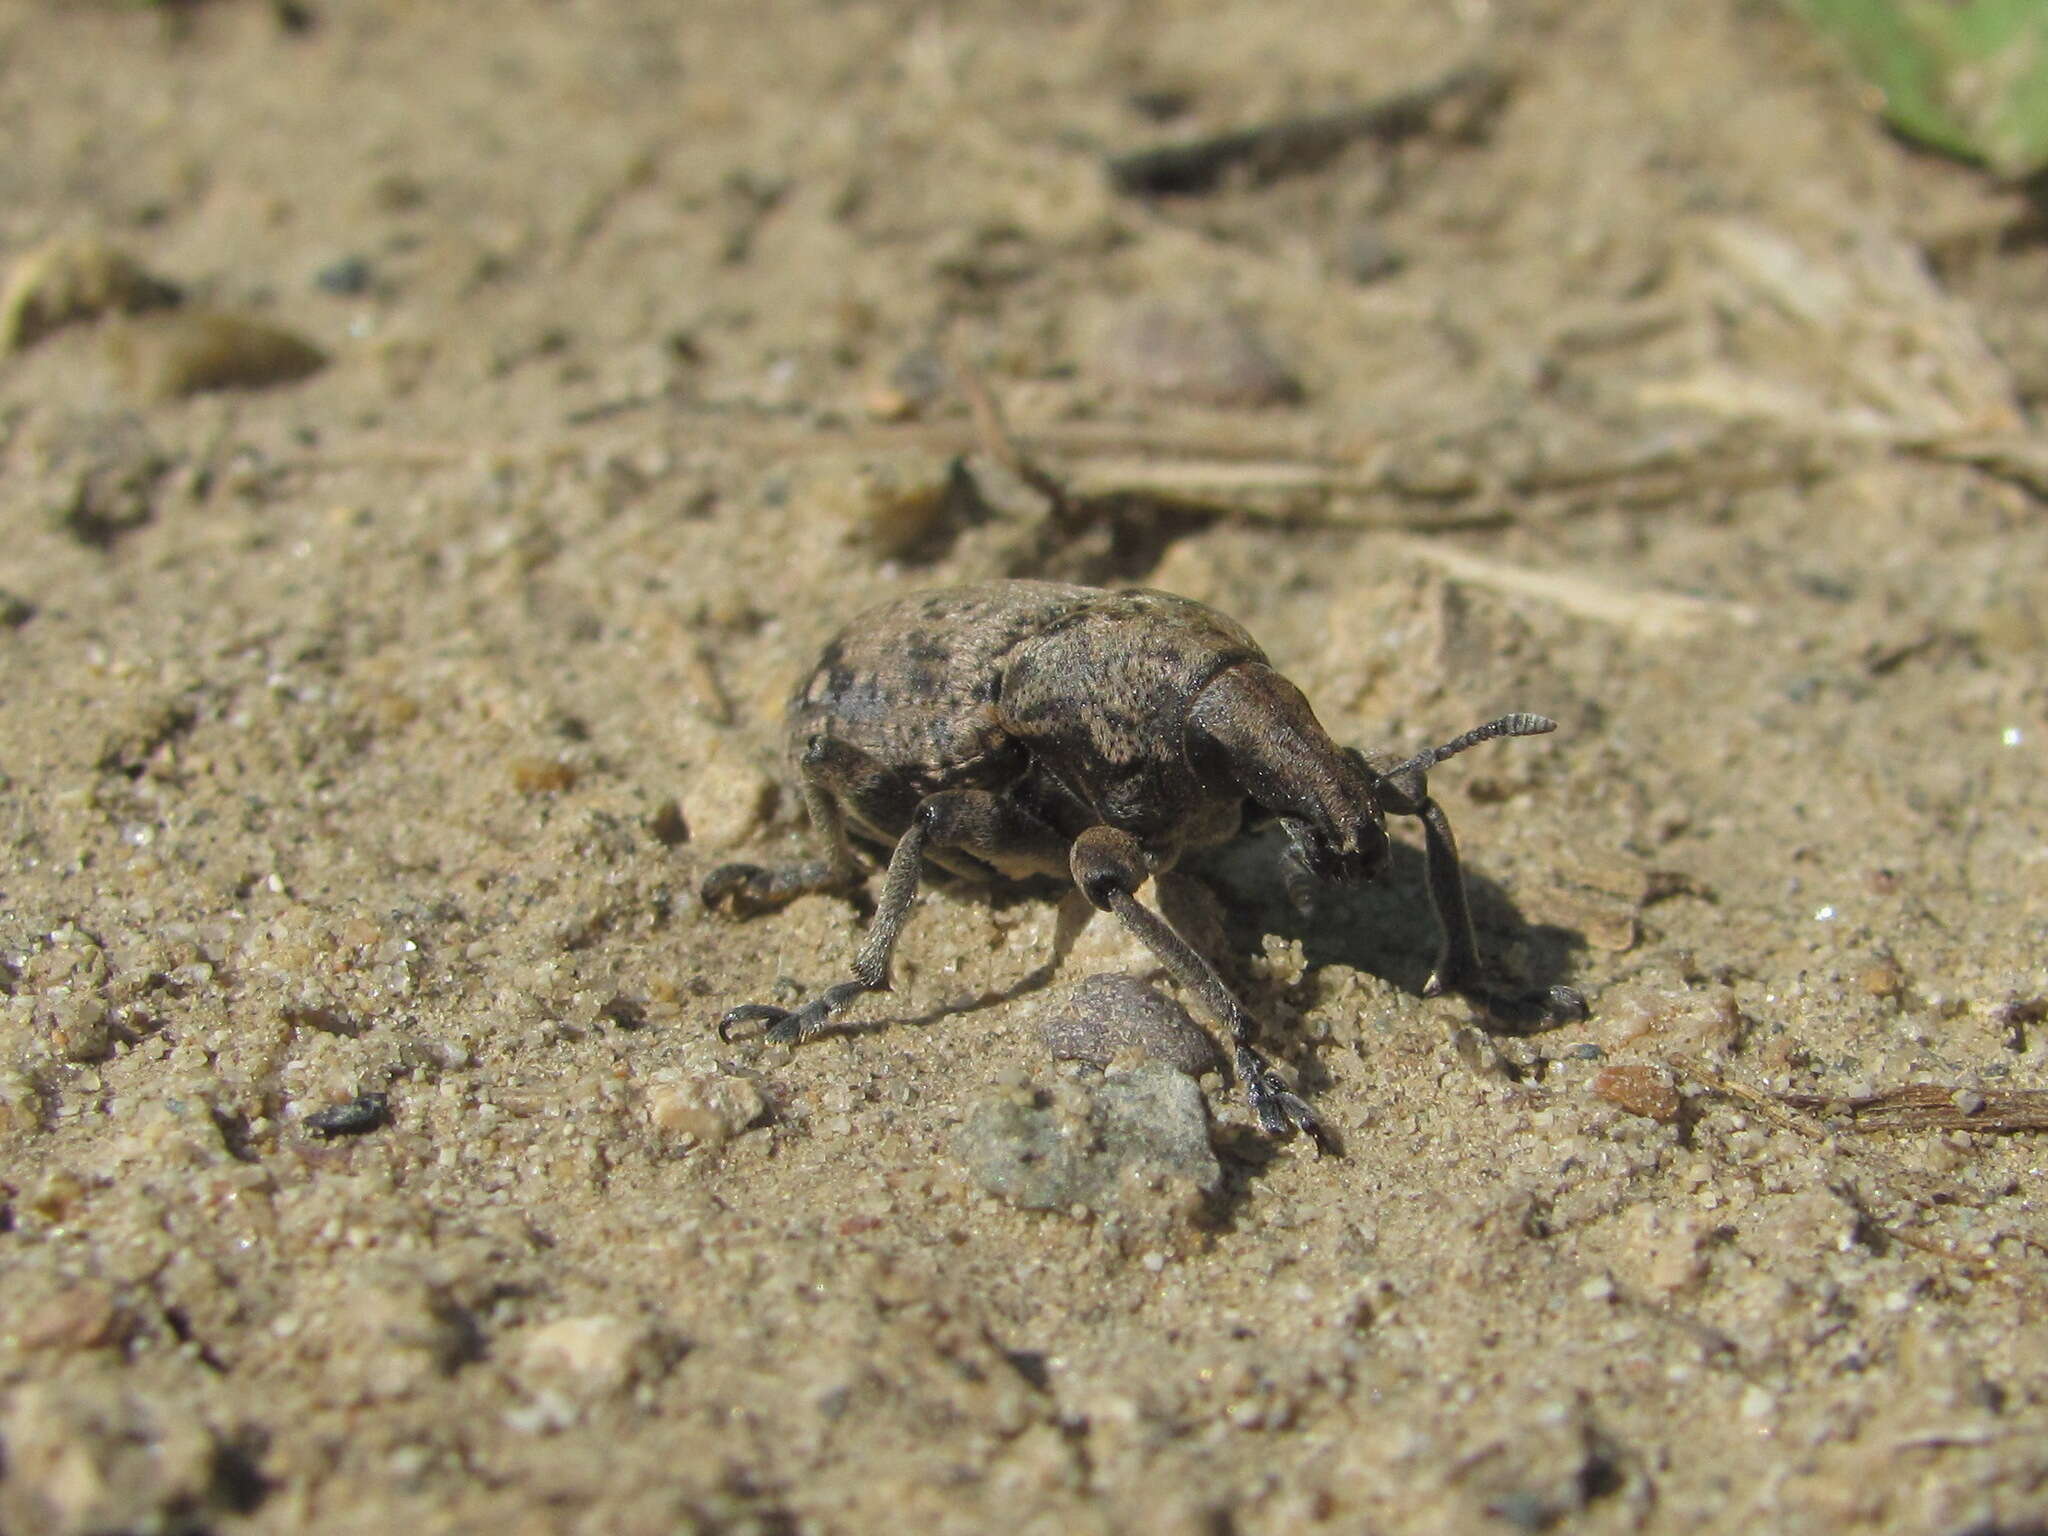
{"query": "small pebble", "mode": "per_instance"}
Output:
(100, 474)
(1111, 1015)
(346, 276)
(80, 1027)
(728, 798)
(71, 280)
(168, 357)
(1366, 257)
(918, 383)
(707, 1109)
(903, 506)
(895, 515)
(1641, 1090)
(534, 775)
(84, 1315)
(666, 824)
(597, 1356)
(361, 1114)
(1198, 356)
(395, 1331)
(1095, 1149)
(1525, 1511)
(95, 1454)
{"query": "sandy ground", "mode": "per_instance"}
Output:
(370, 733)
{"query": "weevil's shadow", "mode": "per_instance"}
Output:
(1388, 928)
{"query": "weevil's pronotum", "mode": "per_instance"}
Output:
(1029, 728)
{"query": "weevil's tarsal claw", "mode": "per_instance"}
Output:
(1280, 1110)
(740, 890)
(786, 1026)
(1456, 970)
(1301, 1118)
(775, 1022)
(1567, 1005)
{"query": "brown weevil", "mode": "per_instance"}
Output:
(1028, 728)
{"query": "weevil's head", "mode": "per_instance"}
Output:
(1251, 729)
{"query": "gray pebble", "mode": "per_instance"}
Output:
(1525, 1511)
(346, 275)
(80, 1027)
(1113, 1015)
(1091, 1146)
(1365, 256)
(365, 1112)
(922, 379)
(1200, 356)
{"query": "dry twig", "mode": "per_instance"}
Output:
(1304, 141)
(1933, 1107)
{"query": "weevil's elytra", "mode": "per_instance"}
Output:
(1031, 728)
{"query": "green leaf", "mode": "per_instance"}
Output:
(1966, 76)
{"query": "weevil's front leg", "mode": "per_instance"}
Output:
(1457, 955)
(971, 820)
(1404, 791)
(1457, 962)
(1109, 866)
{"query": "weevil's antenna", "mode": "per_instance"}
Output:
(1506, 725)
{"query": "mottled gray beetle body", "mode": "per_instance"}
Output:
(976, 688)
(1029, 728)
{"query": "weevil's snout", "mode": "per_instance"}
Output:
(1252, 729)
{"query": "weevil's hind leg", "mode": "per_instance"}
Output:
(1109, 866)
(972, 820)
(746, 890)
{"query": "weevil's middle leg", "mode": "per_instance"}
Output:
(1109, 866)
(971, 820)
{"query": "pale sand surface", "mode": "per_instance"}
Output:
(371, 734)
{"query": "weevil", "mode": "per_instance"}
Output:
(1021, 729)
